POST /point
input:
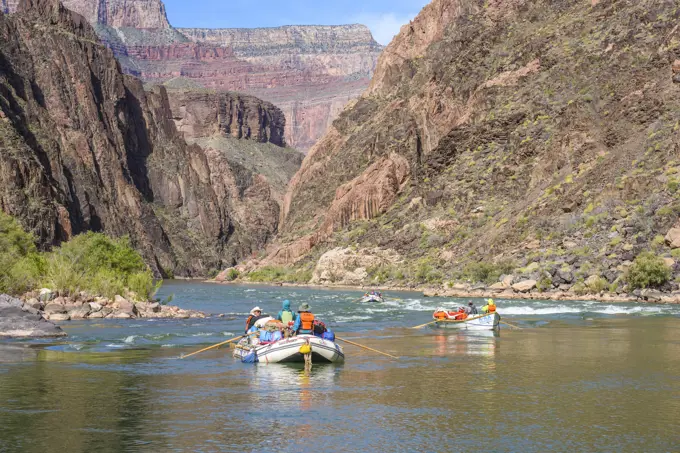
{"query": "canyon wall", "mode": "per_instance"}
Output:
(83, 147)
(310, 72)
(541, 135)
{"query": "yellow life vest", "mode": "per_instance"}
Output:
(286, 317)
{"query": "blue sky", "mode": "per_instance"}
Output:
(383, 17)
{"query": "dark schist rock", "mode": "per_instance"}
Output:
(84, 147)
(22, 321)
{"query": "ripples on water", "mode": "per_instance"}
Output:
(581, 376)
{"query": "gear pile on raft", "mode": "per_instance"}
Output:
(373, 296)
(468, 317)
(288, 338)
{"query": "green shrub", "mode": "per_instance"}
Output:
(20, 263)
(648, 270)
(598, 285)
(91, 262)
(580, 289)
(232, 274)
(281, 274)
(143, 285)
(484, 272)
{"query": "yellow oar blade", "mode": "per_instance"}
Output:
(366, 347)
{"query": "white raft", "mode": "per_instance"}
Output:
(486, 321)
(372, 298)
(288, 350)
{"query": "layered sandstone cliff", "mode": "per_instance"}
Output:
(539, 134)
(85, 147)
(310, 72)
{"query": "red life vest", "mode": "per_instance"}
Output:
(306, 321)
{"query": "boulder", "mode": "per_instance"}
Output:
(651, 294)
(507, 280)
(349, 266)
(120, 315)
(564, 276)
(46, 294)
(94, 306)
(125, 305)
(611, 275)
(524, 286)
(15, 321)
(670, 262)
(80, 313)
(498, 286)
(59, 300)
(35, 303)
(673, 238)
(96, 315)
(154, 307)
(59, 317)
(53, 308)
(460, 286)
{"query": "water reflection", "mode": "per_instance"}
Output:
(481, 342)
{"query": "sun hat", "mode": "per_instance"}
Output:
(252, 312)
(304, 307)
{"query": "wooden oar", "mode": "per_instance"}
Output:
(426, 324)
(366, 347)
(511, 325)
(219, 344)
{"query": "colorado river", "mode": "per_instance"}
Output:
(579, 376)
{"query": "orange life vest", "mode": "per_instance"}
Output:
(306, 321)
(440, 315)
(492, 308)
(248, 325)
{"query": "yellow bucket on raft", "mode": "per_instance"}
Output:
(305, 349)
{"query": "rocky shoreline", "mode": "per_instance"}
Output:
(464, 290)
(85, 306)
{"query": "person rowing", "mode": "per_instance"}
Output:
(255, 314)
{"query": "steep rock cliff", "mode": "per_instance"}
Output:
(84, 147)
(533, 132)
(310, 72)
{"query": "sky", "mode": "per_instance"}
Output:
(383, 17)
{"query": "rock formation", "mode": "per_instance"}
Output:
(543, 135)
(85, 147)
(122, 13)
(18, 320)
(310, 72)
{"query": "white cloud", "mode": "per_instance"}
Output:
(384, 26)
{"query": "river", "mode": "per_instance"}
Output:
(577, 376)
